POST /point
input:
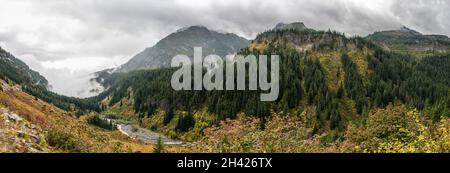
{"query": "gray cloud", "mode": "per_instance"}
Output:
(429, 16)
(109, 32)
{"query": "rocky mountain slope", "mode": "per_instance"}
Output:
(182, 42)
(28, 124)
(295, 26)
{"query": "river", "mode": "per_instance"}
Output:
(145, 135)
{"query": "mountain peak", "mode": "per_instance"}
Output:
(193, 28)
(182, 42)
(296, 25)
(406, 29)
(198, 27)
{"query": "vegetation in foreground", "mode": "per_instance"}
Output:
(395, 129)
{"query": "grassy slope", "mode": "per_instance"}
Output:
(48, 118)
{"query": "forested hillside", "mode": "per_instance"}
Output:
(18, 72)
(329, 80)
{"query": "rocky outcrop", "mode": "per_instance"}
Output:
(19, 135)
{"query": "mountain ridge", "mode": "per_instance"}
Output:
(409, 40)
(18, 71)
(182, 42)
(295, 25)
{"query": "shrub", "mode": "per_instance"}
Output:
(398, 129)
(112, 115)
(65, 141)
(185, 123)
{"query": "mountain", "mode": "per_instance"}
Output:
(296, 26)
(17, 71)
(330, 86)
(28, 123)
(409, 40)
(183, 41)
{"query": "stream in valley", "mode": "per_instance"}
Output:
(141, 134)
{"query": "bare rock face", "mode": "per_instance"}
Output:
(12, 117)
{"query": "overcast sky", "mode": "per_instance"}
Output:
(69, 39)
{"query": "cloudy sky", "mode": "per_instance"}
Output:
(66, 40)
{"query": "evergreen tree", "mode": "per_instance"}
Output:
(168, 116)
(159, 146)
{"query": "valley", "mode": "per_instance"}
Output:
(337, 94)
(30, 125)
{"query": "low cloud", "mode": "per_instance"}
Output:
(69, 76)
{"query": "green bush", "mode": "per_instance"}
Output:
(112, 115)
(63, 140)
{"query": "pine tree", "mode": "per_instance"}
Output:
(340, 92)
(335, 120)
(159, 146)
(168, 116)
(185, 123)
